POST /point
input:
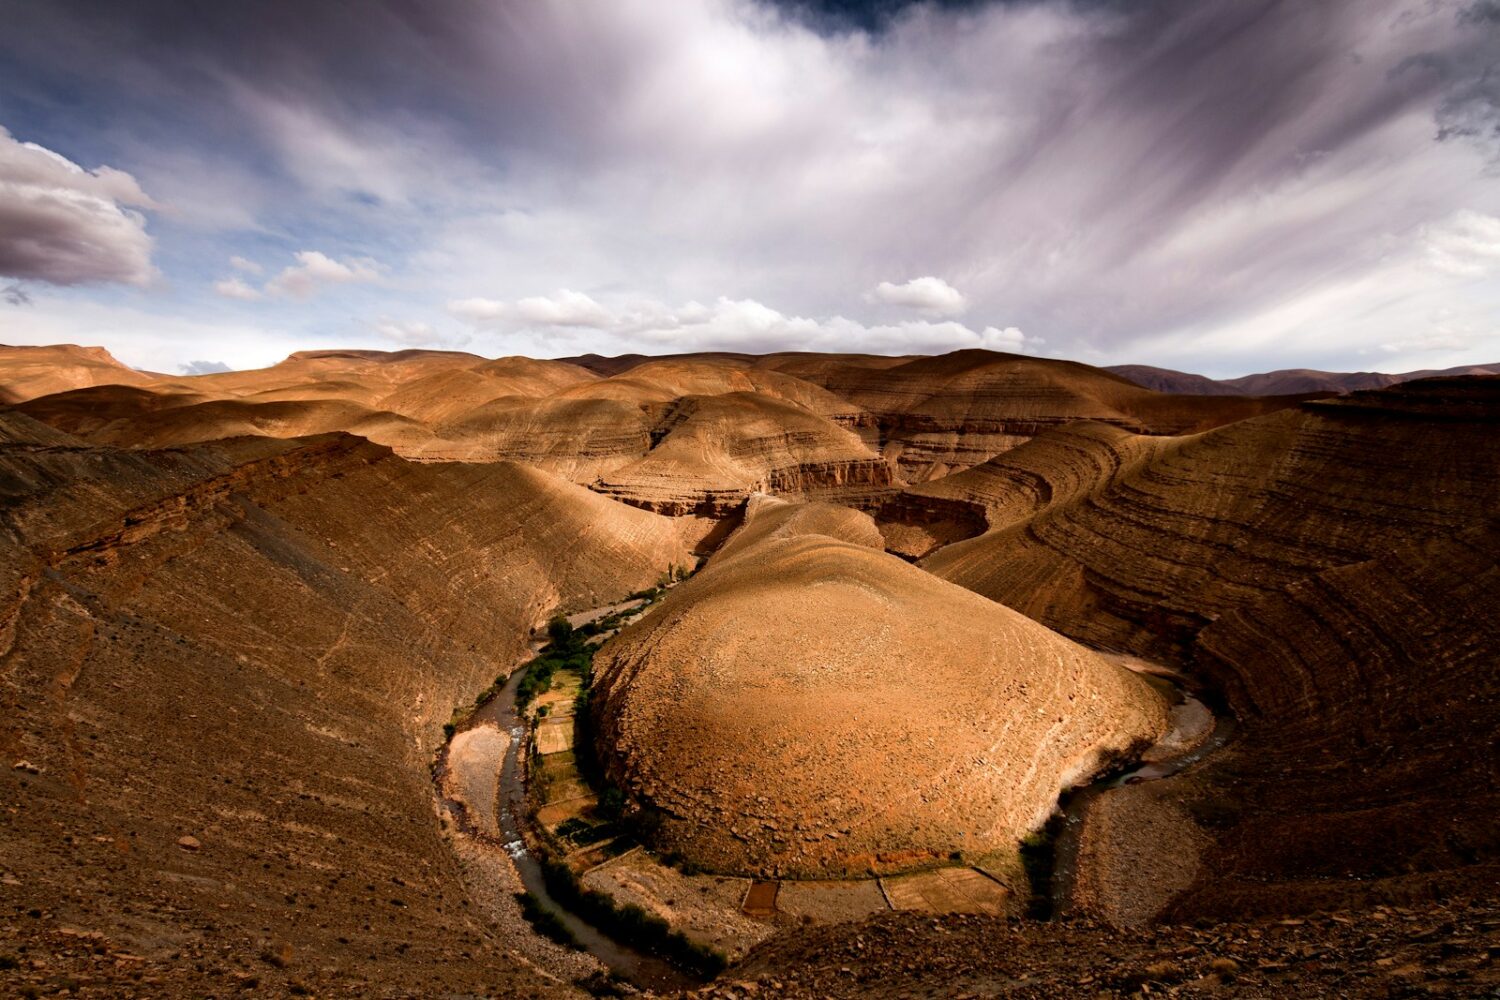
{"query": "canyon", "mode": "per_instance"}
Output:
(243, 613)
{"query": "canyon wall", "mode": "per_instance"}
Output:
(223, 671)
(1330, 571)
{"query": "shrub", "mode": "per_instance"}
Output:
(611, 805)
(630, 923)
(548, 924)
(560, 631)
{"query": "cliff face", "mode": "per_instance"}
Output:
(809, 706)
(254, 644)
(1332, 571)
(941, 415)
(711, 452)
(1057, 468)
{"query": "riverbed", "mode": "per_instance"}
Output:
(504, 833)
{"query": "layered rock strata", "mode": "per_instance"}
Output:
(223, 670)
(1331, 570)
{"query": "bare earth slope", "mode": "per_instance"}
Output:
(810, 707)
(254, 645)
(28, 372)
(1332, 571)
(1055, 468)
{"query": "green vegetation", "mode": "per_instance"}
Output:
(1038, 856)
(630, 923)
(548, 924)
(459, 716)
(568, 650)
(583, 833)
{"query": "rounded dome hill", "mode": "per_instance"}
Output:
(812, 707)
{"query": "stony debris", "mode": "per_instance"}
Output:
(1440, 949)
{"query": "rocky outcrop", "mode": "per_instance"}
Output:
(810, 707)
(1057, 468)
(938, 416)
(711, 452)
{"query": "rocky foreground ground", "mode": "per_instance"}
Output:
(1438, 949)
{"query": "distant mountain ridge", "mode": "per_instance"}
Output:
(1287, 381)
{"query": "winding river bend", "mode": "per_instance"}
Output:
(644, 970)
(1196, 733)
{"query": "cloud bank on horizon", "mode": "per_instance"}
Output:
(1223, 187)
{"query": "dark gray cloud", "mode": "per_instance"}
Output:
(1470, 105)
(65, 225)
(1262, 180)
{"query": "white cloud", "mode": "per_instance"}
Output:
(1437, 340)
(414, 333)
(477, 312)
(234, 288)
(315, 269)
(929, 295)
(563, 308)
(248, 266)
(407, 334)
(1220, 187)
(65, 225)
(727, 325)
(1465, 246)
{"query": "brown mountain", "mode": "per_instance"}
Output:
(1331, 570)
(820, 758)
(240, 608)
(1289, 381)
(254, 644)
(28, 372)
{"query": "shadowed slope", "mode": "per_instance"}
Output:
(809, 706)
(255, 644)
(1332, 570)
(1054, 468)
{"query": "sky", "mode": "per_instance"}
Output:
(1219, 186)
